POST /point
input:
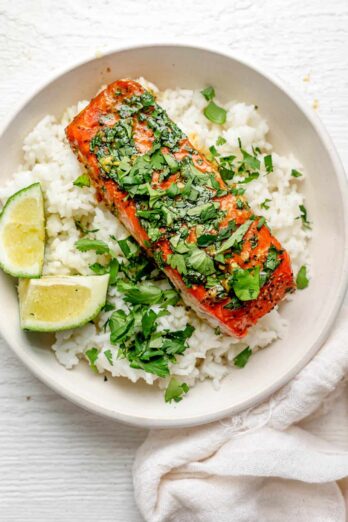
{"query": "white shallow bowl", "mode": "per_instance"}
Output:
(294, 128)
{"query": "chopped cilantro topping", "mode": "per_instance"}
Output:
(177, 261)
(201, 262)
(82, 181)
(220, 141)
(251, 177)
(208, 93)
(246, 283)
(303, 216)
(296, 174)
(214, 113)
(236, 237)
(250, 161)
(261, 222)
(92, 244)
(265, 204)
(268, 163)
(92, 356)
(175, 390)
(243, 357)
(302, 280)
(108, 356)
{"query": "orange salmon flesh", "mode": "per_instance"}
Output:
(118, 102)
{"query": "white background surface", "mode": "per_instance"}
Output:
(58, 462)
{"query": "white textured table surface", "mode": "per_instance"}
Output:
(58, 462)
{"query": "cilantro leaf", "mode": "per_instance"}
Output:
(121, 326)
(251, 177)
(92, 244)
(172, 163)
(243, 357)
(200, 261)
(85, 230)
(143, 293)
(268, 163)
(82, 181)
(236, 237)
(302, 280)
(128, 246)
(157, 366)
(220, 141)
(108, 356)
(296, 174)
(261, 222)
(92, 356)
(98, 269)
(303, 216)
(214, 113)
(177, 261)
(250, 161)
(113, 270)
(208, 93)
(175, 390)
(265, 204)
(148, 322)
(246, 283)
(107, 307)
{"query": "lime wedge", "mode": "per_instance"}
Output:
(22, 233)
(57, 303)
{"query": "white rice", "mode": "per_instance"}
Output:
(49, 159)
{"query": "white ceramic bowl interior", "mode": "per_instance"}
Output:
(293, 129)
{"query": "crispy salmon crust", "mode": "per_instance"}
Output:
(102, 112)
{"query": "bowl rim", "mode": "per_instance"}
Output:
(340, 175)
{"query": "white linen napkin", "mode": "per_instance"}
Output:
(255, 466)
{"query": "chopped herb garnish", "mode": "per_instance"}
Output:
(303, 216)
(220, 141)
(98, 269)
(85, 230)
(251, 177)
(144, 293)
(82, 181)
(302, 280)
(296, 174)
(261, 222)
(108, 307)
(208, 93)
(214, 113)
(250, 161)
(201, 262)
(175, 390)
(177, 261)
(213, 151)
(243, 357)
(246, 283)
(113, 270)
(108, 356)
(129, 247)
(236, 237)
(268, 163)
(148, 322)
(92, 244)
(265, 204)
(92, 356)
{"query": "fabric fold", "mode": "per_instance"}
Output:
(257, 465)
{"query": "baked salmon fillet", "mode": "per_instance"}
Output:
(199, 229)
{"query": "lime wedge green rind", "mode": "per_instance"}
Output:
(52, 304)
(22, 236)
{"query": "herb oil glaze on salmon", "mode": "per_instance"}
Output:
(201, 231)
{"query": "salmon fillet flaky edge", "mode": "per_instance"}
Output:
(145, 169)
